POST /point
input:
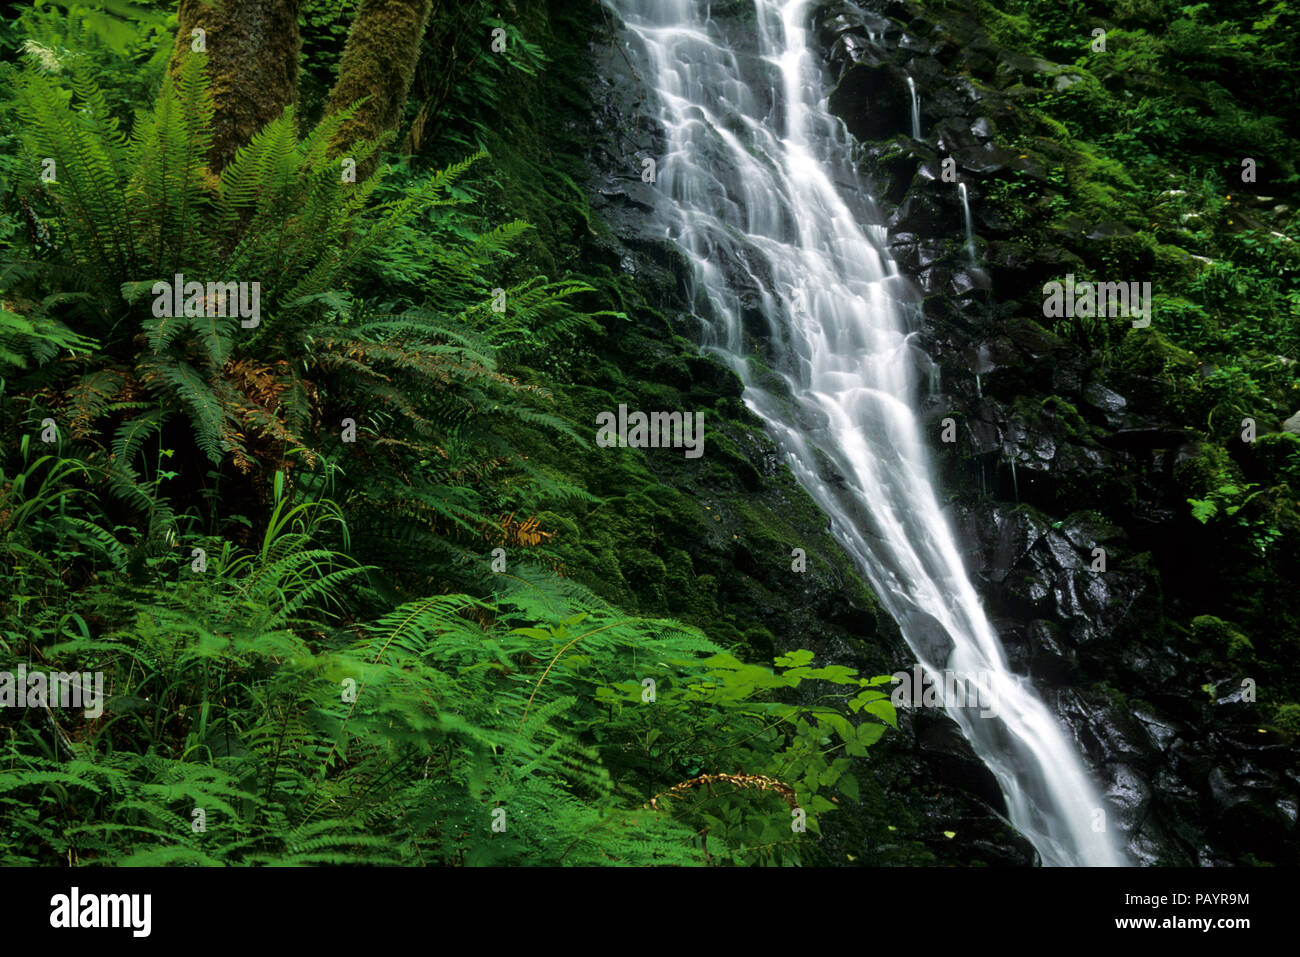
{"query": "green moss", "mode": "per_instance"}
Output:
(1067, 415)
(1222, 638)
(1149, 352)
(378, 65)
(1005, 28)
(1131, 257)
(1287, 717)
(644, 573)
(1208, 467)
(1175, 263)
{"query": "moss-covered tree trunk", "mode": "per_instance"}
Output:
(252, 48)
(378, 65)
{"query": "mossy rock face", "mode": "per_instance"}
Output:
(644, 573)
(1067, 415)
(1202, 466)
(1221, 638)
(709, 377)
(1149, 352)
(1176, 263)
(1131, 422)
(1032, 337)
(696, 538)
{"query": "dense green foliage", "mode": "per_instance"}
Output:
(238, 693)
(359, 585)
(1168, 155)
(276, 541)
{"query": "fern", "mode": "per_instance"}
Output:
(507, 698)
(24, 338)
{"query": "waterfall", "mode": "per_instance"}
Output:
(749, 172)
(965, 211)
(916, 109)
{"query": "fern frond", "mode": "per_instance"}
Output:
(182, 383)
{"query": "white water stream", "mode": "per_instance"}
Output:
(761, 196)
(916, 108)
(965, 214)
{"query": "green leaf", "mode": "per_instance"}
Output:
(794, 659)
(848, 786)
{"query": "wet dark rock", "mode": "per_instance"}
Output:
(983, 159)
(1161, 732)
(1110, 404)
(1066, 379)
(957, 763)
(898, 171)
(1130, 793)
(1050, 662)
(873, 101)
(953, 136)
(925, 215)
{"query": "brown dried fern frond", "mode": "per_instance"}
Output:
(758, 782)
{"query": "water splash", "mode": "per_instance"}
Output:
(751, 162)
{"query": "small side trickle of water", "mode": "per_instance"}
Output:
(916, 109)
(965, 211)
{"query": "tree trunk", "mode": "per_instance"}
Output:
(378, 64)
(252, 48)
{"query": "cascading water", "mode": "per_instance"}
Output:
(916, 109)
(965, 212)
(751, 161)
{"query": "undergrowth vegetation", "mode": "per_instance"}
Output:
(252, 720)
(269, 533)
